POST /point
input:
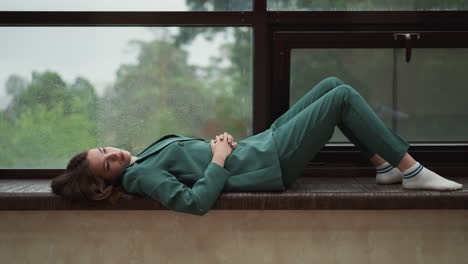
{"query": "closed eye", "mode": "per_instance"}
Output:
(107, 162)
(103, 150)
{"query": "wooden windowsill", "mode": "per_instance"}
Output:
(307, 193)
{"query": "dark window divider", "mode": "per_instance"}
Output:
(123, 18)
(261, 69)
(229, 18)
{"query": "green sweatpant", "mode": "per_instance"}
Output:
(308, 125)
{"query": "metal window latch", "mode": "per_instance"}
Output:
(407, 37)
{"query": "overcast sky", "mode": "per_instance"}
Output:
(92, 52)
(93, 5)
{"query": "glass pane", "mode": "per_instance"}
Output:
(359, 5)
(369, 71)
(67, 89)
(432, 91)
(125, 5)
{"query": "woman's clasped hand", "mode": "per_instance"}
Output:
(223, 144)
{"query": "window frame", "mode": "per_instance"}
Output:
(332, 156)
(266, 25)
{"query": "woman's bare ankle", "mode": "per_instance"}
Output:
(376, 160)
(406, 162)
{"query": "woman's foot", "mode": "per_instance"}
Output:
(387, 174)
(419, 177)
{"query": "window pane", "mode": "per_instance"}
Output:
(67, 89)
(432, 92)
(369, 71)
(125, 5)
(375, 5)
(431, 103)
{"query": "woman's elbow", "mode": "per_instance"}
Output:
(201, 212)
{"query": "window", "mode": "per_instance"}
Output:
(432, 95)
(67, 89)
(369, 71)
(255, 65)
(422, 100)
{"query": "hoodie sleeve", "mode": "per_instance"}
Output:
(175, 195)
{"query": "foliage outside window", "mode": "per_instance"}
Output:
(49, 119)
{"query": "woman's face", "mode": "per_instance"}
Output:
(108, 163)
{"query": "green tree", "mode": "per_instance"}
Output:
(46, 88)
(154, 97)
(15, 85)
(47, 121)
(234, 108)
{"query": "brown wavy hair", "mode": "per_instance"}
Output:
(80, 182)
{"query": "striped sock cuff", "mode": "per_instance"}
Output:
(385, 169)
(410, 173)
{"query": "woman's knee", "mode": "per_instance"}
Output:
(344, 91)
(333, 81)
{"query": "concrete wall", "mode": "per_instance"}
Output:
(230, 236)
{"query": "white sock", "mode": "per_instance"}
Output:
(387, 174)
(419, 177)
